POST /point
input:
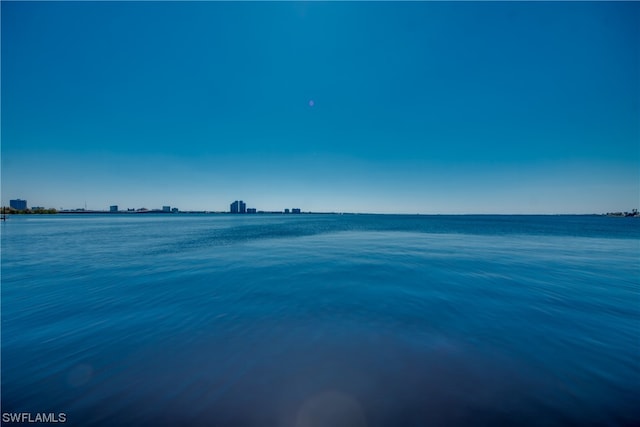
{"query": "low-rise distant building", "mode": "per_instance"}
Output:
(166, 209)
(286, 210)
(113, 208)
(37, 208)
(295, 210)
(251, 210)
(175, 210)
(18, 204)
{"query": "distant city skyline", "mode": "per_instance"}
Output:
(381, 107)
(237, 207)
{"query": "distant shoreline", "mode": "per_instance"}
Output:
(158, 212)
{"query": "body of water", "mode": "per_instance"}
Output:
(322, 320)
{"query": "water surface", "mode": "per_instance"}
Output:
(322, 320)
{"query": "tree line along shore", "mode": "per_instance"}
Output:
(13, 211)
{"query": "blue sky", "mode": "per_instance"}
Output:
(429, 107)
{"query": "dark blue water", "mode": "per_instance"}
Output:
(322, 320)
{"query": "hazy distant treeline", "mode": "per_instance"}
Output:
(10, 210)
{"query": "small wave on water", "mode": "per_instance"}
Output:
(279, 227)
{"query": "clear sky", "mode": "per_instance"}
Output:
(418, 107)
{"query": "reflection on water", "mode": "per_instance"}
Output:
(322, 320)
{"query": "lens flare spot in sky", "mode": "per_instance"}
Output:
(311, 103)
